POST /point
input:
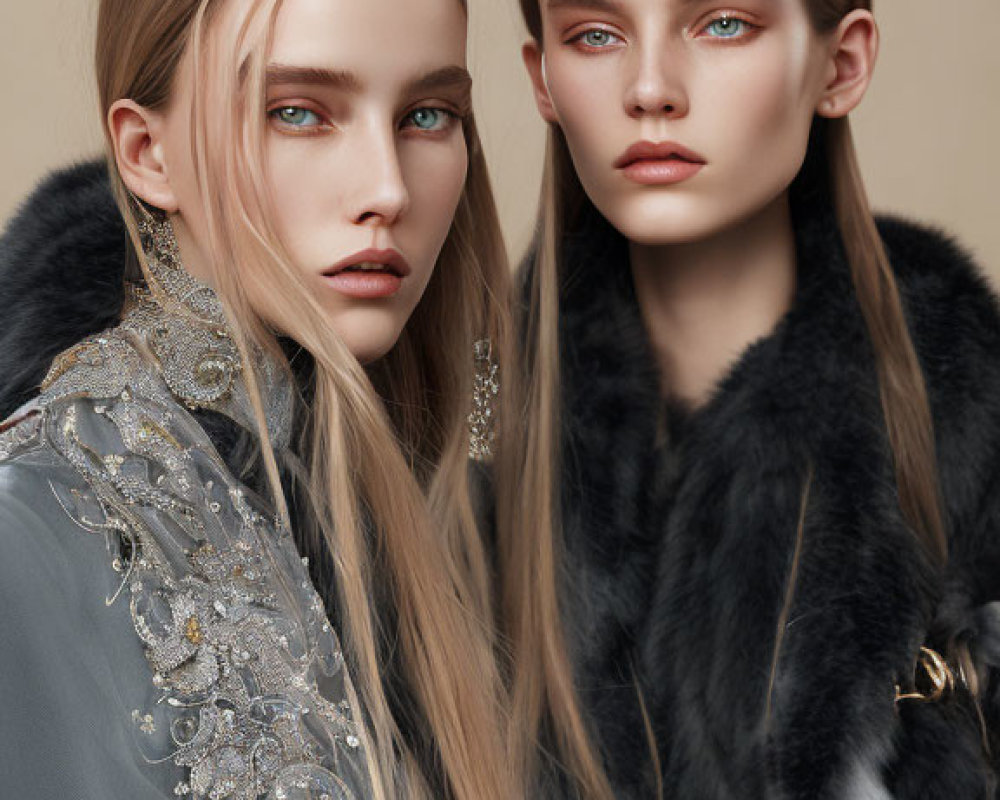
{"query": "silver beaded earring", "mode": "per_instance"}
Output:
(482, 418)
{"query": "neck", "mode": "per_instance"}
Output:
(703, 303)
(191, 256)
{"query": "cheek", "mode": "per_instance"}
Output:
(303, 197)
(435, 174)
(587, 99)
(757, 123)
(577, 88)
(774, 99)
(775, 112)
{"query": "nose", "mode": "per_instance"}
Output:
(656, 87)
(382, 196)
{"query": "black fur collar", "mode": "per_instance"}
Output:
(62, 264)
(680, 556)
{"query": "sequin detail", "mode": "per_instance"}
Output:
(482, 417)
(20, 430)
(250, 680)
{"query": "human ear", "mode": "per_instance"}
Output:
(138, 150)
(534, 62)
(853, 52)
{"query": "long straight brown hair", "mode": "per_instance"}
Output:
(387, 479)
(545, 698)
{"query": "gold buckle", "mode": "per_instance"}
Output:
(939, 675)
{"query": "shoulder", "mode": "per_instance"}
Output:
(102, 404)
(954, 319)
(948, 298)
(76, 201)
(62, 260)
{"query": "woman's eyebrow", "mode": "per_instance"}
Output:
(453, 77)
(334, 78)
(609, 6)
(445, 78)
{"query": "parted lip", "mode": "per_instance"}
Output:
(391, 259)
(657, 151)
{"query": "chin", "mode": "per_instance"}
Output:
(663, 221)
(679, 219)
(367, 349)
(368, 336)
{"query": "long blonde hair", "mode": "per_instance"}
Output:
(530, 533)
(387, 477)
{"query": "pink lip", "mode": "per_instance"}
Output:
(372, 284)
(659, 163)
(392, 259)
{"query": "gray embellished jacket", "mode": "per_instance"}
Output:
(162, 637)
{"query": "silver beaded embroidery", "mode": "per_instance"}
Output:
(20, 430)
(171, 281)
(197, 358)
(251, 682)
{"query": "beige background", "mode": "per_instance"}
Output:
(928, 132)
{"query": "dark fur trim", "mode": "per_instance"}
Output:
(680, 555)
(62, 261)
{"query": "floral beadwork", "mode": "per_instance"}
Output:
(247, 674)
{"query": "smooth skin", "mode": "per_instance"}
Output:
(739, 84)
(364, 150)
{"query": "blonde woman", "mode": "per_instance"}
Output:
(757, 547)
(315, 255)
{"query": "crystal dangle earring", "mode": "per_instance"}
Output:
(482, 418)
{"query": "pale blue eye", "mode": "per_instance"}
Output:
(296, 116)
(726, 28)
(597, 38)
(429, 119)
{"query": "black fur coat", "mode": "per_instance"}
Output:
(681, 546)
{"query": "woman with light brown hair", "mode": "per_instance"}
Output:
(756, 548)
(315, 258)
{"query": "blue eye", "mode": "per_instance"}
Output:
(727, 28)
(296, 116)
(598, 38)
(429, 119)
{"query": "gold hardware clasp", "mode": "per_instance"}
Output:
(939, 676)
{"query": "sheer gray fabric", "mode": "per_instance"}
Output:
(73, 667)
(161, 636)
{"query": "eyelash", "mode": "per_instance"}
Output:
(321, 125)
(578, 40)
(450, 119)
(728, 16)
(274, 115)
(748, 29)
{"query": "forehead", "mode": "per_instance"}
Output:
(371, 37)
